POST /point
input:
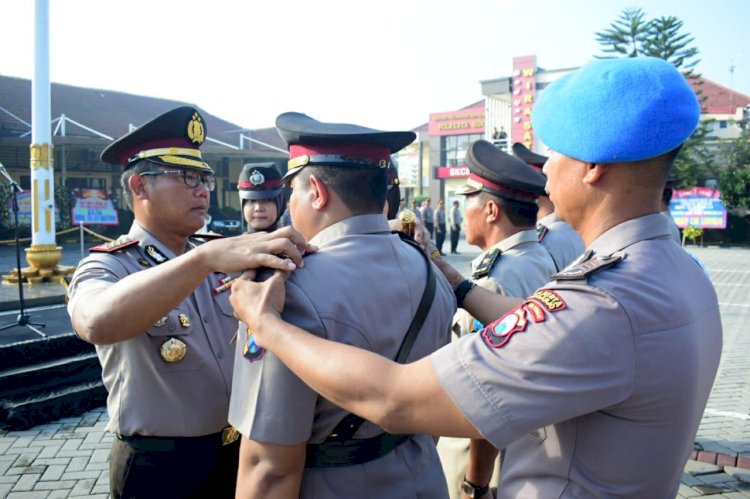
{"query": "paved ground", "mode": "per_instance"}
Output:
(68, 458)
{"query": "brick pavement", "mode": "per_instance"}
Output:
(69, 458)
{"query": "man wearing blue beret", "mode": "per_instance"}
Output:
(596, 383)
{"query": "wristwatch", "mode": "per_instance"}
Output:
(472, 490)
(462, 290)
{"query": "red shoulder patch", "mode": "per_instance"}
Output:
(113, 246)
(498, 334)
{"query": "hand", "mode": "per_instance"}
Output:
(421, 234)
(281, 250)
(257, 304)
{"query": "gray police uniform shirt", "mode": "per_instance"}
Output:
(592, 372)
(521, 268)
(147, 395)
(560, 240)
(673, 229)
(362, 287)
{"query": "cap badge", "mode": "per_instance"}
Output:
(195, 130)
(257, 178)
(184, 320)
(173, 350)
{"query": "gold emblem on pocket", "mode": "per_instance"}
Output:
(173, 350)
(184, 320)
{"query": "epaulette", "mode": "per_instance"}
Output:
(541, 231)
(488, 261)
(587, 268)
(121, 242)
(206, 236)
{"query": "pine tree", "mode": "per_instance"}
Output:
(632, 35)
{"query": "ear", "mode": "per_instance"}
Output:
(492, 211)
(137, 186)
(319, 191)
(595, 172)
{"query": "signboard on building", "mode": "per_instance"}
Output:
(699, 207)
(452, 172)
(93, 207)
(462, 122)
(407, 160)
(523, 87)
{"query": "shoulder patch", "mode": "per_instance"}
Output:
(488, 261)
(118, 244)
(541, 231)
(587, 268)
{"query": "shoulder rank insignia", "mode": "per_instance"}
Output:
(587, 268)
(121, 242)
(153, 253)
(541, 231)
(485, 265)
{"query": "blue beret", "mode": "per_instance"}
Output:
(617, 110)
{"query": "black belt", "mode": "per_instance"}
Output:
(167, 444)
(334, 454)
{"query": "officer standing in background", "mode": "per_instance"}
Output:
(440, 226)
(156, 305)
(501, 212)
(427, 216)
(363, 286)
(456, 220)
(611, 361)
(261, 196)
(557, 237)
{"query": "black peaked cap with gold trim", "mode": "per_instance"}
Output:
(527, 156)
(172, 139)
(312, 142)
(494, 171)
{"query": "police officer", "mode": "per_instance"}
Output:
(557, 237)
(501, 211)
(611, 361)
(261, 196)
(295, 443)
(155, 304)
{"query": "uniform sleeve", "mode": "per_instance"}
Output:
(269, 403)
(94, 275)
(561, 354)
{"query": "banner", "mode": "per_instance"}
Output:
(25, 204)
(93, 207)
(698, 207)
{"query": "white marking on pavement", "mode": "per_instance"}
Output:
(735, 415)
(722, 304)
(34, 309)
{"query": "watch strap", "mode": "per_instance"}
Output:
(462, 290)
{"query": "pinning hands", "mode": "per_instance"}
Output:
(258, 304)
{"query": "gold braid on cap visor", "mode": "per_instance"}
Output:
(168, 155)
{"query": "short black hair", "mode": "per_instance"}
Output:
(521, 214)
(362, 189)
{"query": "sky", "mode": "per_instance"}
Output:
(386, 64)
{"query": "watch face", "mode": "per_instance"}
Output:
(469, 490)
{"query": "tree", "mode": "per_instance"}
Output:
(734, 180)
(632, 36)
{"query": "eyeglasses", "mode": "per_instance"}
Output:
(191, 178)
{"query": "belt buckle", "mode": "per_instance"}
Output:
(229, 435)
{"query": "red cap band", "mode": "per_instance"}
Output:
(267, 185)
(501, 188)
(358, 151)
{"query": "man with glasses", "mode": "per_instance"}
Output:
(155, 303)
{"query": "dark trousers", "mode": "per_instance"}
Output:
(439, 236)
(171, 468)
(455, 232)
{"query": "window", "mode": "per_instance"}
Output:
(455, 147)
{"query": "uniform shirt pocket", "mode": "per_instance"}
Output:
(174, 345)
